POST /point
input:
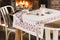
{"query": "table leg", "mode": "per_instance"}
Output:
(18, 34)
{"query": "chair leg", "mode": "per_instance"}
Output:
(9, 34)
(47, 34)
(6, 33)
(21, 35)
(55, 34)
(29, 37)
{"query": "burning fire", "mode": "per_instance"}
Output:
(17, 4)
(24, 4)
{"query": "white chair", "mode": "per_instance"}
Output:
(12, 9)
(7, 20)
(49, 29)
(6, 9)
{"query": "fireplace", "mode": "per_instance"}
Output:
(31, 4)
(23, 4)
(34, 4)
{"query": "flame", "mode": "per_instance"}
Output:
(26, 4)
(21, 3)
(17, 4)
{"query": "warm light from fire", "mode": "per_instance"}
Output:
(17, 4)
(21, 3)
(24, 4)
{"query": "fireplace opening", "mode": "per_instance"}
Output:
(34, 4)
(23, 4)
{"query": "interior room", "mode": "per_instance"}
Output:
(29, 19)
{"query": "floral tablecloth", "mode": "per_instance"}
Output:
(34, 24)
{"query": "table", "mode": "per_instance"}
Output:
(33, 19)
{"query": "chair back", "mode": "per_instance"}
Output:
(5, 14)
(8, 6)
(52, 33)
